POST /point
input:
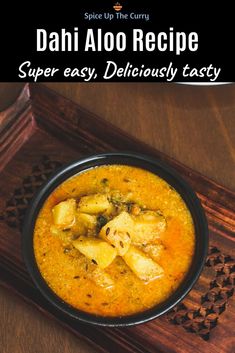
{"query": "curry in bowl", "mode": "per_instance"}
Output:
(114, 240)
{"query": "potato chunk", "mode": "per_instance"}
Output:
(153, 250)
(148, 226)
(85, 223)
(65, 236)
(98, 251)
(101, 278)
(94, 204)
(116, 232)
(88, 220)
(64, 213)
(143, 267)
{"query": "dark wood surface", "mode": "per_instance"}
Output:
(220, 213)
(193, 124)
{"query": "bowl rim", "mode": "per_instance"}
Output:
(156, 166)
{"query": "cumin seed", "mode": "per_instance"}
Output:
(126, 180)
(104, 181)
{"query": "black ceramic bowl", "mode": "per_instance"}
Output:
(152, 165)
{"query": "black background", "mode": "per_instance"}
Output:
(18, 38)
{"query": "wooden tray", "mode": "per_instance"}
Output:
(41, 131)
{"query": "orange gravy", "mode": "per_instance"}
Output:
(66, 273)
